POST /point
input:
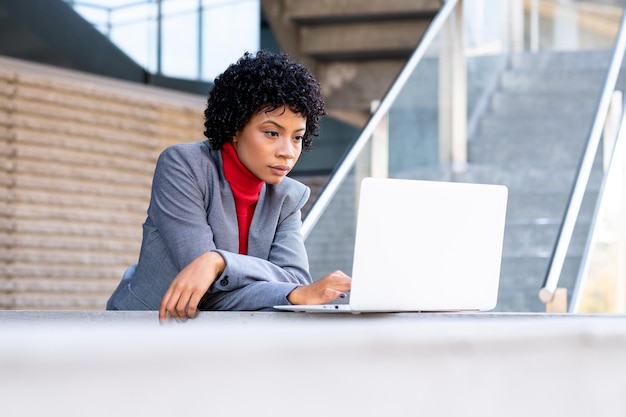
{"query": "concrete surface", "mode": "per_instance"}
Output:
(89, 363)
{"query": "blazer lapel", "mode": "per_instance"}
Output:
(263, 223)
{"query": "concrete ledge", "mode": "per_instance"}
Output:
(269, 364)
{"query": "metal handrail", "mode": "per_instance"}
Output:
(555, 265)
(342, 170)
(577, 294)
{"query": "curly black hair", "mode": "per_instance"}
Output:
(257, 82)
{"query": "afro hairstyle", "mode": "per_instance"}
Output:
(261, 82)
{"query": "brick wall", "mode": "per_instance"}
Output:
(77, 154)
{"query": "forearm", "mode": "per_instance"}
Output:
(257, 296)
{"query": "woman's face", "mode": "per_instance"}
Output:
(271, 143)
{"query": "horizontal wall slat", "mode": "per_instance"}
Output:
(144, 111)
(74, 214)
(78, 115)
(97, 273)
(50, 301)
(27, 152)
(84, 172)
(60, 228)
(69, 201)
(32, 122)
(46, 257)
(50, 185)
(142, 157)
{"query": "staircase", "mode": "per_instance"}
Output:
(531, 139)
(355, 48)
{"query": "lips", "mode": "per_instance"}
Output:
(280, 169)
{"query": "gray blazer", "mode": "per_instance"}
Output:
(192, 211)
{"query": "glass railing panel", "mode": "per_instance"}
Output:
(134, 30)
(570, 25)
(487, 33)
(575, 239)
(189, 44)
(602, 278)
(180, 39)
(413, 121)
(218, 18)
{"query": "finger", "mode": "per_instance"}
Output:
(340, 281)
(331, 294)
(345, 285)
(163, 306)
(182, 305)
(192, 308)
(172, 304)
(339, 274)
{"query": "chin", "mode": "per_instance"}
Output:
(274, 181)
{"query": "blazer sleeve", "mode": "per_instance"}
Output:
(177, 206)
(258, 296)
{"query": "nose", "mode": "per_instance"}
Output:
(286, 148)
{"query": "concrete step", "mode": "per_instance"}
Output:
(524, 125)
(544, 206)
(324, 11)
(526, 179)
(580, 81)
(558, 61)
(553, 151)
(542, 103)
(528, 272)
(539, 238)
(361, 40)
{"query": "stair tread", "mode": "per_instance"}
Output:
(323, 11)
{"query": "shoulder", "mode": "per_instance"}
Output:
(292, 194)
(192, 152)
(190, 157)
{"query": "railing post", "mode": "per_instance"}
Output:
(159, 36)
(453, 94)
(379, 157)
(534, 26)
(611, 127)
(374, 159)
(200, 35)
(619, 155)
(109, 23)
(516, 27)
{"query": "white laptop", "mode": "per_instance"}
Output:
(424, 246)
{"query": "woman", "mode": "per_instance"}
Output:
(223, 224)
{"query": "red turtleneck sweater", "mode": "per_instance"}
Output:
(245, 187)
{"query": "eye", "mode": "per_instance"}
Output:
(299, 138)
(271, 133)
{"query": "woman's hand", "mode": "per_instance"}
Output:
(322, 291)
(182, 297)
